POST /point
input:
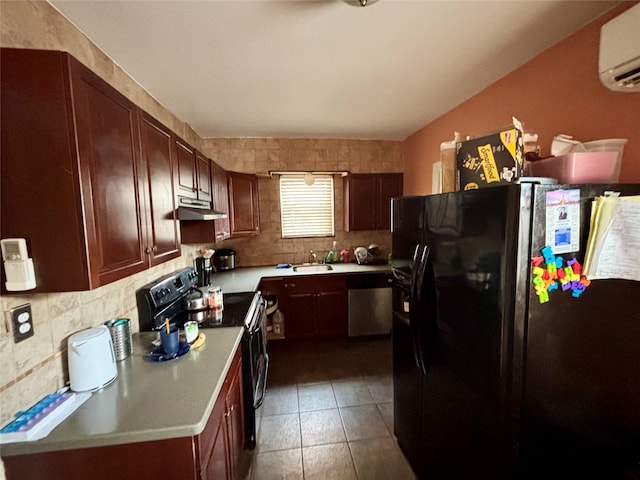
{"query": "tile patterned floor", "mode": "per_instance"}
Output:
(328, 414)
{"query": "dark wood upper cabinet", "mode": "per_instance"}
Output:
(220, 194)
(186, 178)
(207, 231)
(194, 172)
(389, 186)
(203, 177)
(162, 224)
(367, 200)
(74, 183)
(244, 215)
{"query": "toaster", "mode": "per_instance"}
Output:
(92, 361)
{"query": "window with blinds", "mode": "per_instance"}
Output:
(306, 210)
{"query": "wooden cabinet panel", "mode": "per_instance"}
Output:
(331, 319)
(217, 466)
(203, 174)
(360, 195)
(367, 200)
(315, 306)
(108, 148)
(220, 444)
(171, 458)
(235, 420)
(74, 183)
(389, 186)
(220, 194)
(207, 231)
(300, 316)
(39, 192)
(163, 241)
(186, 169)
(243, 204)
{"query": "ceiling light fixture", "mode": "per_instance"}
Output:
(309, 179)
(360, 3)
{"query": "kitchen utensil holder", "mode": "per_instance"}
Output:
(120, 330)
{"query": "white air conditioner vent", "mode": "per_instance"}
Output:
(619, 63)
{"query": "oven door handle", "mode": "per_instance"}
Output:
(262, 388)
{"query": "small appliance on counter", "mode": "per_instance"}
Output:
(224, 259)
(92, 362)
(203, 269)
(120, 330)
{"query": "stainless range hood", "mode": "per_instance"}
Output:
(192, 209)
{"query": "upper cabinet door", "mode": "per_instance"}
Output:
(108, 142)
(207, 231)
(187, 185)
(220, 193)
(359, 197)
(367, 200)
(73, 181)
(163, 240)
(243, 204)
(203, 171)
(389, 186)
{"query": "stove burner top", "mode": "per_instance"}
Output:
(236, 308)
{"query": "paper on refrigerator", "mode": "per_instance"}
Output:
(613, 247)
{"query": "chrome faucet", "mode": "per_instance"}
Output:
(313, 257)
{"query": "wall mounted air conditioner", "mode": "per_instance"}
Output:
(619, 64)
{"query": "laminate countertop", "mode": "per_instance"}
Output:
(247, 279)
(148, 400)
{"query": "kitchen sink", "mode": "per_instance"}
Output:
(312, 267)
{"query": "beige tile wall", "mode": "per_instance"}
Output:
(260, 155)
(37, 366)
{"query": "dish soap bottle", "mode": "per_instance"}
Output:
(331, 256)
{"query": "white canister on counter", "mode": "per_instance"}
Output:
(191, 331)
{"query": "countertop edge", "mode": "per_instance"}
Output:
(190, 429)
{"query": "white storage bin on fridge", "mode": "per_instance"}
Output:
(92, 362)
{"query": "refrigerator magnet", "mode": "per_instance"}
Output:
(563, 220)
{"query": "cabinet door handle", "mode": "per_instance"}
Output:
(232, 408)
(155, 248)
(147, 251)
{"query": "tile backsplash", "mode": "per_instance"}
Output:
(261, 155)
(37, 366)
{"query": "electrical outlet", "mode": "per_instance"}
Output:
(22, 322)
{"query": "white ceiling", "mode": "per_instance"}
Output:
(322, 68)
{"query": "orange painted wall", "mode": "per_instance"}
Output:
(557, 92)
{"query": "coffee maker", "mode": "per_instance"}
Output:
(203, 269)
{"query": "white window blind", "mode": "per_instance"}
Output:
(306, 210)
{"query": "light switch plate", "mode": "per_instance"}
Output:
(22, 322)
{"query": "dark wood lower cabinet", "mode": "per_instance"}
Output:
(315, 307)
(212, 455)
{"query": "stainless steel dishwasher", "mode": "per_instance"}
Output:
(369, 304)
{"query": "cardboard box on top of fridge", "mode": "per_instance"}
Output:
(490, 160)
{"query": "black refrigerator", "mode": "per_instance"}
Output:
(489, 383)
